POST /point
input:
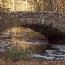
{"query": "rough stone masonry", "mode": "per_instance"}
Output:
(56, 20)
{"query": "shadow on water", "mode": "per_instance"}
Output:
(54, 35)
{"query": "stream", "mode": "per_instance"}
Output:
(52, 52)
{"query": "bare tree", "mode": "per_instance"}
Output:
(12, 4)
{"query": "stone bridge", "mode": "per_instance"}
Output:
(56, 20)
(51, 25)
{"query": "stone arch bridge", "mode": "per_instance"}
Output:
(51, 25)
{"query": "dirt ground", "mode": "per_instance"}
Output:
(32, 62)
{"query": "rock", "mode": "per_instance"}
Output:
(59, 47)
(50, 51)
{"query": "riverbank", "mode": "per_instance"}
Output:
(32, 62)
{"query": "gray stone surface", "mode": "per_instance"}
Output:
(57, 20)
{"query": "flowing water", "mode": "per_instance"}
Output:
(43, 49)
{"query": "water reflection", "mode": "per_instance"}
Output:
(24, 38)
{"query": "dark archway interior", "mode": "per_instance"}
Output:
(53, 34)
